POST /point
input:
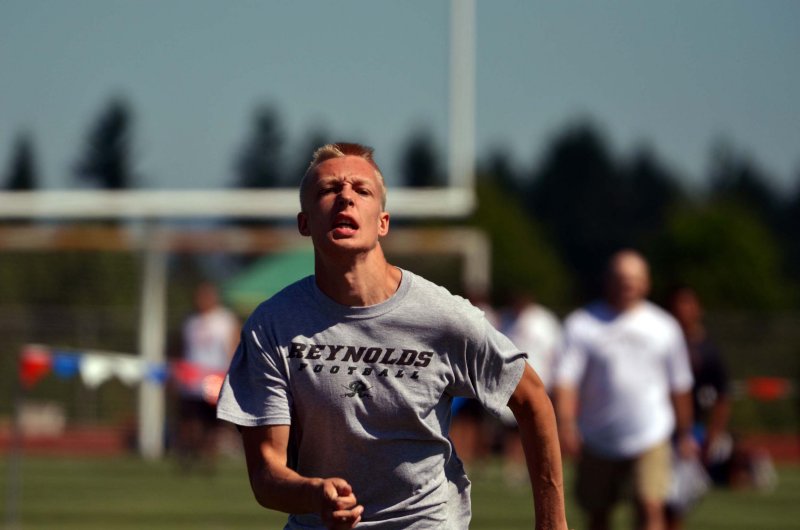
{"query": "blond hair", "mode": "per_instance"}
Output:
(339, 150)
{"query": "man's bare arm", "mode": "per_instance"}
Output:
(537, 427)
(278, 487)
(566, 399)
(682, 403)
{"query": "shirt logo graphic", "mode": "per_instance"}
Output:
(357, 388)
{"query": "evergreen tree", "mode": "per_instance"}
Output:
(22, 174)
(725, 252)
(420, 165)
(789, 235)
(106, 161)
(523, 260)
(260, 162)
(580, 197)
(737, 178)
(499, 165)
(653, 192)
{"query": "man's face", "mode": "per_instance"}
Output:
(686, 308)
(628, 281)
(342, 206)
(205, 297)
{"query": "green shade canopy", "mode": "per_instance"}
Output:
(266, 277)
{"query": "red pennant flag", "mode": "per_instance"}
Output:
(187, 374)
(768, 388)
(34, 364)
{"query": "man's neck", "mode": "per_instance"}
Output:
(623, 306)
(359, 280)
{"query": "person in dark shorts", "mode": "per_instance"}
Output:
(209, 339)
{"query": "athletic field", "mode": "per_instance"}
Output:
(126, 493)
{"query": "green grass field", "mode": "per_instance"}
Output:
(126, 493)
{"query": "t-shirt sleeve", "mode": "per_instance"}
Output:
(256, 390)
(489, 369)
(678, 368)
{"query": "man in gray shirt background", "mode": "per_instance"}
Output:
(342, 382)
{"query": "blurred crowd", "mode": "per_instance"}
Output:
(640, 390)
(642, 398)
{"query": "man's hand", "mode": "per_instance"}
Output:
(339, 508)
(278, 487)
(687, 446)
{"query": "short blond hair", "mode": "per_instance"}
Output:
(339, 150)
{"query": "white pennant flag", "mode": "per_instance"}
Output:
(95, 369)
(129, 369)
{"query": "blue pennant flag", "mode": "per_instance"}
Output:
(66, 365)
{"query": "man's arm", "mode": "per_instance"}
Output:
(566, 399)
(537, 427)
(278, 487)
(686, 444)
(717, 425)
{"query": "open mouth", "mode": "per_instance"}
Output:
(344, 226)
(345, 223)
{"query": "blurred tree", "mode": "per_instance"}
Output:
(420, 161)
(22, 174)
(653, 192)
(581, 198)
(260, 162)
(500, 166)
(106, 161)
(725, 252)
(522, 258)
(737, 178)
(790, 233)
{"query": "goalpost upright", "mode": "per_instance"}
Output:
(151, 207)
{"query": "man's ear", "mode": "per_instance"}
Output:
(302, 224)
(383, 224)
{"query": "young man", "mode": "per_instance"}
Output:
(342, 382)
(623, 383)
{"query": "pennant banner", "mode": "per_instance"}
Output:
(95, 368)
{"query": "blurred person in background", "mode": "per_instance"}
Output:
(535, 330)
(622, 387)
(469, 427)
(209, 338)
(726, 463)
(343, 382)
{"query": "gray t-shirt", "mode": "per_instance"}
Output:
(367, 392)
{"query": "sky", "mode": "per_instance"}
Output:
(675, 76)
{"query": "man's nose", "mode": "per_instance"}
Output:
(346, 195)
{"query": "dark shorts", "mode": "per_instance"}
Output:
(198, 408)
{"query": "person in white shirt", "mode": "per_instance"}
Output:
(535, 330)
(622, 387)
(210, 336)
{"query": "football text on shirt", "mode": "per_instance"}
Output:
(398, 360)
